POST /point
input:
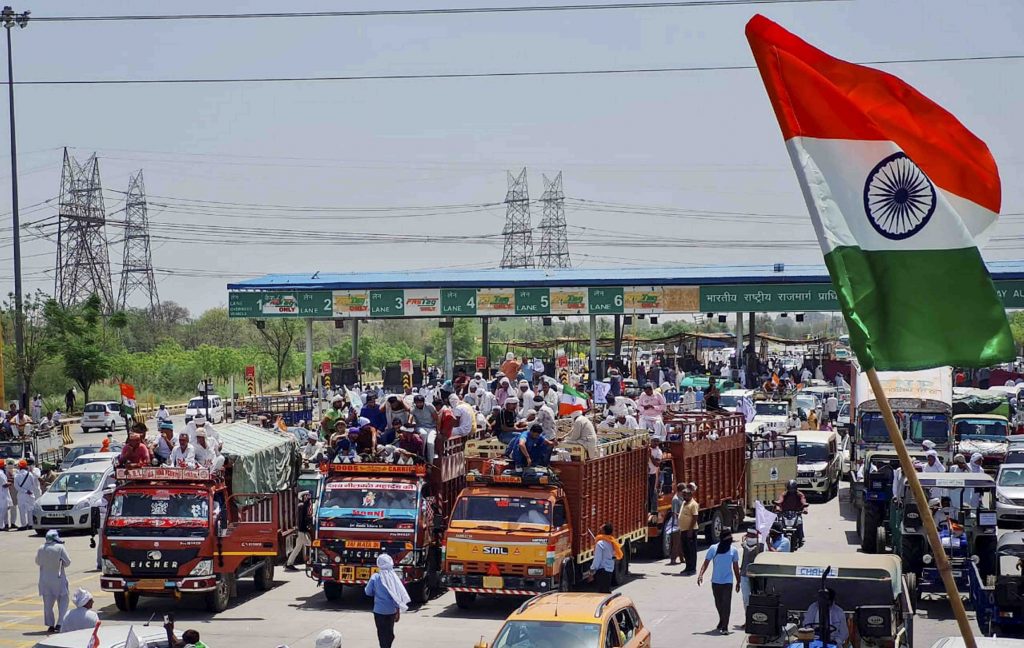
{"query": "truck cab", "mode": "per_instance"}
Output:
(365, 509)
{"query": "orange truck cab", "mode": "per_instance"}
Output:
(195, 532)
(519, 534)
(366, 509)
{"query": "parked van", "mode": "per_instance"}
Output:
(196, 406)
(819, 463)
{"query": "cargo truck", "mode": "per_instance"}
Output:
(519, 534)
(368, 508)
(196, 532)
(709, 451)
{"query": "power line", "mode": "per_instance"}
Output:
(483, 75)
(443, 11)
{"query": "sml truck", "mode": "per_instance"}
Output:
(365, 509)
(709, 451)
(196, 532)
(519, 534)
(923, 404)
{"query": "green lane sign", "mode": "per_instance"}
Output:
(458, 302)
(310, 303)
(605, 301)
(533, 301)
(387, 303)
(1011, 292)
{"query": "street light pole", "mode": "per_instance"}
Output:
(10, 19)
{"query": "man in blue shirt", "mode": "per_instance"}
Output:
(605, 551)
(531, 448)
(372, 412)
(778, 541)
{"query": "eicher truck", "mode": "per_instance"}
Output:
(178, 532)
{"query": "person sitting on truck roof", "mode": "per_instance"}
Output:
(583, 433)
(205, 455)
(165, 442)
(652, 408)
(184, 454)
(313, 451)
(372, 412)
(134, 454)
(509, 425)
(410, 443)
(545, 416)
(531, 448)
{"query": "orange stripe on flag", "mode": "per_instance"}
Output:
(817, 95)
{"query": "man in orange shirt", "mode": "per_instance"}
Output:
(511, 366)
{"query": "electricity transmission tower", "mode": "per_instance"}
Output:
(137, 266)
(518, 252)
(83, 263)
(554, 243)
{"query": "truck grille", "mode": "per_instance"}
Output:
(155, 562)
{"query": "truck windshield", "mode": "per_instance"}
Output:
(812, 452)
(522, 510)
(157, 511)
(534, 634)
(771, 409)
(934, 427)
(368, 499)
(872, 428)
(979, 427)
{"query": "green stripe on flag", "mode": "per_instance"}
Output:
(920, 309)
(569, 391)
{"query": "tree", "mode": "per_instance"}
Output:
(84, 336)
(277, 340)
(38, 346)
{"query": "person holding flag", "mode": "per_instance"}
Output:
(898, 191)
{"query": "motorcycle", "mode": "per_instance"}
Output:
(792, 528)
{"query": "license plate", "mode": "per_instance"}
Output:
(494, 582)
(348, 573)
(957, 574)
(362, 544)
(150, 584)
(53, 517)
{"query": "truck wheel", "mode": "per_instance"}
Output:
(332, 590)
(218, 599)
(868, 531)
(913, 593)
(567, 576)
(263, 579)
(126, 601)
(621, 573)
(714, 528)
(464, 600)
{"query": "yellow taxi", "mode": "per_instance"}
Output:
(573, 620)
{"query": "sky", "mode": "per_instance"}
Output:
(661, 169)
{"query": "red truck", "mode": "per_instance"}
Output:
(711, 452)
(365, 509)
(195, 532)
(519, 535)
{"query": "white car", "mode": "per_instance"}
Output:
(70, 501)
(197, 406)
(101, 415)
(91, 457)
(730, 399)
(1010, 495)
(776, 416)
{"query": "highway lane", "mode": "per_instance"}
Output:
(294, 611)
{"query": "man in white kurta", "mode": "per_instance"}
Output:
(53, 561)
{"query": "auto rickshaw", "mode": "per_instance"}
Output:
(870, 589)
(999, 599)
(966, 518)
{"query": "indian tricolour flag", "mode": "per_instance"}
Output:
(128, 399)
(570, 401)
(899, 192)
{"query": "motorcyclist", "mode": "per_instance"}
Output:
(793, 500)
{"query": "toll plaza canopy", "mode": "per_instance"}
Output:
(534, 292)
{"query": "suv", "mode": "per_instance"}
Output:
(579, 619)
(101, 415)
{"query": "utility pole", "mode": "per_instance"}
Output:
(11, 19)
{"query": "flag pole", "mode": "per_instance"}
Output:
(931, 530)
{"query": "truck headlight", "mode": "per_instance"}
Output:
(534, 571)
(926, 559)
(202, 568)
(110, 569)
(457, 567)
